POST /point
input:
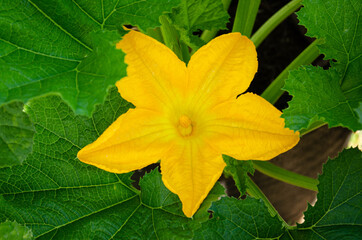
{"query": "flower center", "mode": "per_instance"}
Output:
(185, 126)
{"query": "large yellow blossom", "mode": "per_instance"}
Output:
(188, 116)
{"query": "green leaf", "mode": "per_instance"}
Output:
(333, 94)
(194, 15)
(337, 213)
(358, 111)
(16, 134)
(14, 231)
(59, 197)
(239, 171)
(67, 47)
(240, 219)
(202, 214)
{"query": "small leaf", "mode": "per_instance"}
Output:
(14, 231)
(333, 94)
(16, 134)
(239, 171)
(194, 15)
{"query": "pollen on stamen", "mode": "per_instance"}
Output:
(185, 126)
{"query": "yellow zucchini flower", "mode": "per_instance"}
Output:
(188, 116)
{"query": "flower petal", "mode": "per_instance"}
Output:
(190, 169)
(250, 128)
(135, 140)
(155, 74)
(223, 68)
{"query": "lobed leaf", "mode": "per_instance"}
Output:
(336, 215)
(67, 47)
(333, 94)
(58, 197)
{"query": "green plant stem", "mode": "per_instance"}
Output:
(254, 191)
(274, 90)
(315, 125)
(286, 176)
(156, 34)
(259, 36)
(207, 35)
(245, 16)
(172, 39)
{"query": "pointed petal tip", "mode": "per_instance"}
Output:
(126, 37)
(191, 204)
(80, 154)
(187, 212)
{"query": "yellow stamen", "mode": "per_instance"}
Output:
(185, 126)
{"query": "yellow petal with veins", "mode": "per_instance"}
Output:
(222, 69)
(130, 142)
(250, 128)
(190, 169)
(156, 77)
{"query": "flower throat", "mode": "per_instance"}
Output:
(185, 126)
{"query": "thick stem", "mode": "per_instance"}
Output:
(172, 40)
(156, 34)
(245, 16)
(286, 176)
(274, 91)
(254, 191)
(259, 36)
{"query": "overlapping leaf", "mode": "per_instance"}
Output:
(240, 219)
(194, 15)
(239, 170)
(336, 215)
(59, 197)
(64, 47)
(16, 134)
(333, 94)
(14, 231)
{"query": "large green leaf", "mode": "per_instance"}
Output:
(240, 219)
(59, 197)
(16, 134)
(330, 95)
(336, 215)
(194, 15)
(63, 46)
